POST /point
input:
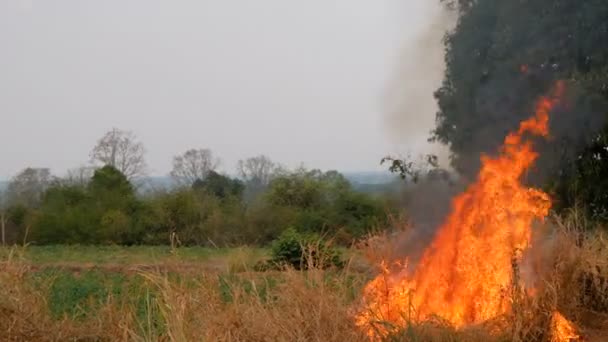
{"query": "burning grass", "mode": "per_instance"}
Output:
(471, 273)
(559, 292)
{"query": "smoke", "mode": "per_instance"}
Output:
(410, 118)
(428, 203)
(410, 104)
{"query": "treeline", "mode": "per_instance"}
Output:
(212, 210)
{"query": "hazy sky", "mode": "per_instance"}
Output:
(300, 81)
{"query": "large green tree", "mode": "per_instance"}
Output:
(501, 57)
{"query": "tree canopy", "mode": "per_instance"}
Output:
(501, 57)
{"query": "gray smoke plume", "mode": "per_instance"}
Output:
(410, 105)
(410, 117)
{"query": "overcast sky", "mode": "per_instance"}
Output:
(300, 81)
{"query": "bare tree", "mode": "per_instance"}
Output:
(80, 176)
(122, 150)
(192, 165)
(28, 186)
(257, 171)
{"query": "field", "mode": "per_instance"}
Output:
(135, 258)
(89, 293)
(80, 293)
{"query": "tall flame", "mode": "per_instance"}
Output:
(464, 275)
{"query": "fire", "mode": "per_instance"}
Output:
(562, 330)
(465, 274)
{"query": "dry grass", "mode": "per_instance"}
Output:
(570, 274)
(284, 305)
(302, 307)
(566, 271)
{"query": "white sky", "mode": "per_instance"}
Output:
(300, 81)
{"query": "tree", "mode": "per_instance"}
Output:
(80, 176)
(325, 202)
(121, 150)
(257, 171)
(500, 58)
(28, 186)
(413, 170)
(105, 211)
(297, 190)
(219, 185)
(109, 180)
(193, 165)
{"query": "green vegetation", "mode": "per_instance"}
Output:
(277, 254)
(125, 255)
(500, 58)
(211, 212)
(302, 251)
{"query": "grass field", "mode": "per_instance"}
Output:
(154, 293)
(82, 293)
(135, 258)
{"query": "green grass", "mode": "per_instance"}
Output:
(80, 254)
(78, 293)
(80, 296)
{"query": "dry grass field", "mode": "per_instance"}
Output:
(156, 294)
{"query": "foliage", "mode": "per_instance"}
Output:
(586, 185)
(302, 251)
(500, 58)
(326, 202)
(108, 210)
(409, 169)
(77, 297)
(27, 187)
(219, 185)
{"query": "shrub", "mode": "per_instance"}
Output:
(304, 251)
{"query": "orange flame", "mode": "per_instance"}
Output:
(562, 330)
(465, 274)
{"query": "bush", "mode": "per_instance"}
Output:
(304, 251)
(105, 211)
(326, 203)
